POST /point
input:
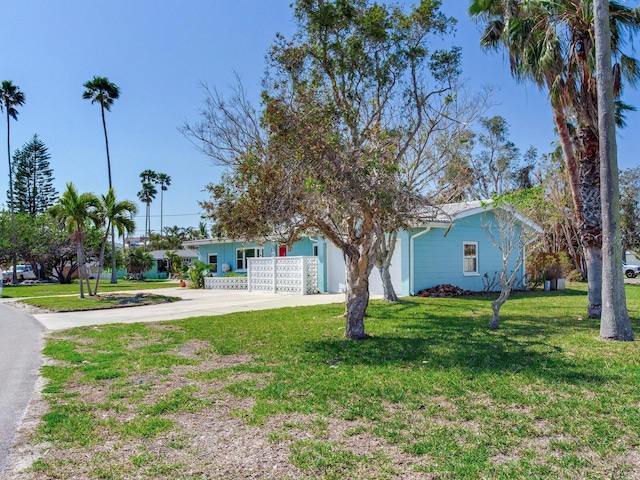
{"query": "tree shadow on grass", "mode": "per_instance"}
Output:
(408, 335)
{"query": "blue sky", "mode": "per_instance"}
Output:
(158, 52)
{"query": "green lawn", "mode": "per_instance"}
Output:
(102, 301)
(281, 394)
(49, 289)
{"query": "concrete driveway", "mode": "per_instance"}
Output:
(194, 303)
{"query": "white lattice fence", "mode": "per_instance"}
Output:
(296, 275)
(226, 283)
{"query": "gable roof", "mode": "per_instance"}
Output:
(450, 212)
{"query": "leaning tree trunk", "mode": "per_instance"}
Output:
(101, 259)
(358, 265)
(591, 228)
(496, 305)
(383, 262)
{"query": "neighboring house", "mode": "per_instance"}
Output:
(160, 267)
(453, 249)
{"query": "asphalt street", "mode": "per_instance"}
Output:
(20, 360)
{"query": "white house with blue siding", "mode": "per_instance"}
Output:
(452, 249)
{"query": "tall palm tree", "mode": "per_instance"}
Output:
(151, 177)
(614, 323)
(10, 98)
(164, 181)
(119, 214)
(100, 90)
(76, 211)
(104, 92)
(146, 196)
(551, 44)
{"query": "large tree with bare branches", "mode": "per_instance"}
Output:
(343, 101)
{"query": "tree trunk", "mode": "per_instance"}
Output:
(80, 267)
(383, 262)
(614, 323)
(593, 257)
(573, 172)
(387, 285)
(358, 265)
(591, 228)
(101, 260)
(496, 305)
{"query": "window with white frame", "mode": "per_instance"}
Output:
(470, 258)
(242, 254)
(213, 262)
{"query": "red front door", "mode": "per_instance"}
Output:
(282, 251)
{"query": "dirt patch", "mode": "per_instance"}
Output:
(28, 309)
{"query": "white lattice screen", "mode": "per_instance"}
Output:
(297, 275)
(225, 283)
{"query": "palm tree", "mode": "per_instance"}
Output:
(614, 323)
(551, 44)
(147, 195)
(148, 176)
(101, 90)
(75, 211)
(164, 181)
(104, 92)
(119, 214)
(10, 98)
(138, 261)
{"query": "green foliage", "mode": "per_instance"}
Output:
(138, 262)
(543, 266)
(196, 273)
(630, 209)
(33, 178)
(175, 263)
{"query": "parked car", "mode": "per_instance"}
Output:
(23, 272)
(631, 271)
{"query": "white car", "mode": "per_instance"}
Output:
(23, 272)
(631, 271)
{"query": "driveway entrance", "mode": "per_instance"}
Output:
(194, 303)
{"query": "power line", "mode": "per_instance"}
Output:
(172, 215)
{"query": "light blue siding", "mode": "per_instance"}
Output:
(428, 257)
(226, 252)
(439, 259)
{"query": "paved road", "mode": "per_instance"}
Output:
(20, 360)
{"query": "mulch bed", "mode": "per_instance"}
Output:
(443, 291)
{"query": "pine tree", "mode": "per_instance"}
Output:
(33, 178)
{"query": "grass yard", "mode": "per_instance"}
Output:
(281, 394)
(101, 301)
(49, 289)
